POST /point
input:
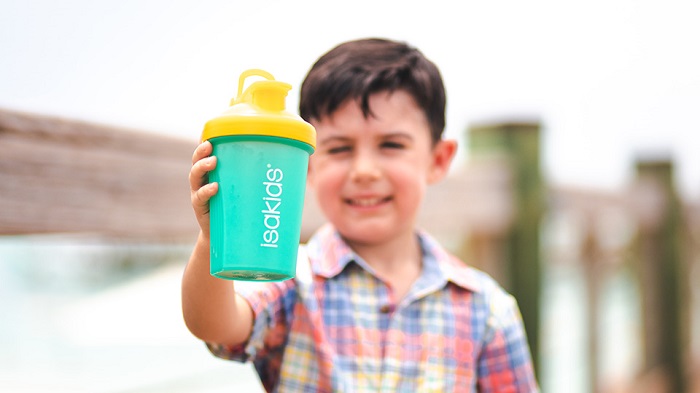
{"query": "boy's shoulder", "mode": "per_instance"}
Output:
(487, 292)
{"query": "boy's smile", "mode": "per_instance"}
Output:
(368, 202)
(370, 173)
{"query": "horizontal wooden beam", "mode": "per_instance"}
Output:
(65, 176)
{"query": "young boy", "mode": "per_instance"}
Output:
(385, 307)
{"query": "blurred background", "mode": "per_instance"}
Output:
(577, 184)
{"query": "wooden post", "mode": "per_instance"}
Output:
(662, 274)
(591, 255)
(519, 142)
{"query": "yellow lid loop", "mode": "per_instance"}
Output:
(241, 82)
(260, 110)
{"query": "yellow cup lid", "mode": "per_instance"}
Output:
(260, 110)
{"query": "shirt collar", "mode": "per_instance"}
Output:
(450, 267)
(330, 254)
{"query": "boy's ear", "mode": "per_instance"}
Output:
(443, 153)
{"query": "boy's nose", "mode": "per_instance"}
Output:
(365, 168)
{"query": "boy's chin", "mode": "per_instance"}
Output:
(370, 235)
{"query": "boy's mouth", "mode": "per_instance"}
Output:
(367, 202)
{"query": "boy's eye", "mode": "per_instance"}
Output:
(339, 149)
(392, 145)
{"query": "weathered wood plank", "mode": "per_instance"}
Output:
(62, 176)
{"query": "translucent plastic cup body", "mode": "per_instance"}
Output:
(255, 217)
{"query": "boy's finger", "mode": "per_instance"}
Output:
(201, 197)
(198, 173)
(204, 149)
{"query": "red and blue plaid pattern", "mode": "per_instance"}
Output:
(342, 331)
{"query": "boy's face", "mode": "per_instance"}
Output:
(370, 174)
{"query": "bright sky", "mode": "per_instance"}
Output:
(609, 79)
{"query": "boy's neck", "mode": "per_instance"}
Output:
(399, 258)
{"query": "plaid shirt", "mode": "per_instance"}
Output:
(342, 331)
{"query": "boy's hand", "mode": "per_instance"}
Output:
(201, 191)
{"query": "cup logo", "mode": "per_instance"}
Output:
(272, 200)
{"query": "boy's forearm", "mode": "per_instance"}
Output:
(211, 308)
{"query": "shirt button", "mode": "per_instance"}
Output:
(385, 309)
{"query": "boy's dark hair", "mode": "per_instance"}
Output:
(358, 69)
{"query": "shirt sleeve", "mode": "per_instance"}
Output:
(272, 303)
(505, 363)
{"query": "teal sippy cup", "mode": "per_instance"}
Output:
(262, 155)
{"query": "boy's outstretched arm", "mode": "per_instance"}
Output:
(212, 310)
